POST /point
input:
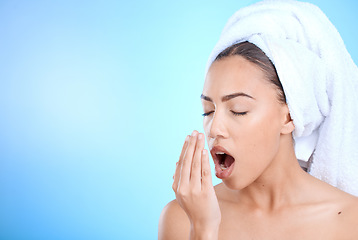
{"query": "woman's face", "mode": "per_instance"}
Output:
(243, 120)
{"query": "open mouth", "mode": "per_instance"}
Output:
(223, 162)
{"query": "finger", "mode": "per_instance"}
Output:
(187, 159)
(176, 165)
(176, 175)
(206, 181)
(195, 177)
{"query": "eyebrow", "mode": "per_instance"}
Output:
(227, 97)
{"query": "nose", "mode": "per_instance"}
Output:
(216, 126)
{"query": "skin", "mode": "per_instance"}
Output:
(267, 195)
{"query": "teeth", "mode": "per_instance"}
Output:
(220, 153)
(222, 167)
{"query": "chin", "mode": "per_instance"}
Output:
(234, 185)
(239, 181)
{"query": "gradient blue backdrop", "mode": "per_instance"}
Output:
(96, 98)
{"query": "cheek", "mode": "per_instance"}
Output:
(268, 139)
(259, 137)
(206, 126)
(256, 145)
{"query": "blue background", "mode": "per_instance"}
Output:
(96, 98)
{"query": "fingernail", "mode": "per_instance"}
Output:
(200, 136)
(205, 151)
(194, 133)
(187, 138)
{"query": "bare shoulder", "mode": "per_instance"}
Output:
(348, 217)
(173, 223)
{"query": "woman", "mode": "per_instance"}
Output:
(270, 97)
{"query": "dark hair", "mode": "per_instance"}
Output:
(255, 55)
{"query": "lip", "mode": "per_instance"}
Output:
(219, 172)
(216, 149)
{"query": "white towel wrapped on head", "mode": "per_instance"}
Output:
(319, 78)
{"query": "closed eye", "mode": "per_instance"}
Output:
(207, 113)
(238, 113)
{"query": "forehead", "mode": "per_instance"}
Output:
(235, 73)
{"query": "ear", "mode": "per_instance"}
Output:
(288, 126)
